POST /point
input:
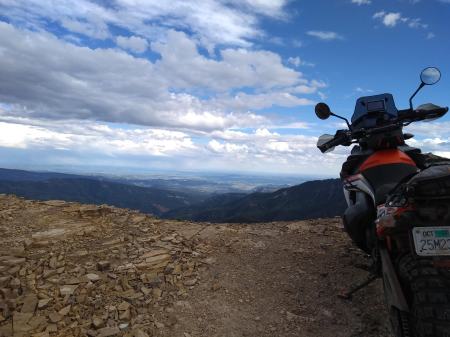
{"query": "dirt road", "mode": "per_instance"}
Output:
(75, 270)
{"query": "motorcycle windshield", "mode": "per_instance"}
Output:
(372, 111)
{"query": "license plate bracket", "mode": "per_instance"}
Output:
(432, 241)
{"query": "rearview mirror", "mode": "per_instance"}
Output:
(322, 110)
(430, 75)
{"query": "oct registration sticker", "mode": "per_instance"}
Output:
(432, 241)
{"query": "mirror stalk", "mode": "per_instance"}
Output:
(344, 119)
(414, 95)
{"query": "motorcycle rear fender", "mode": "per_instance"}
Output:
(393, 289)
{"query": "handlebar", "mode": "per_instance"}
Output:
(342, 137)
(405, 117)
(410, 116)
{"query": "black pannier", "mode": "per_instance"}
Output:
(431, 183)
(428, 192)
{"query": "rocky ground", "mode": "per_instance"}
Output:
(79, 270)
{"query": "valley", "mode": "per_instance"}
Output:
(211, 198)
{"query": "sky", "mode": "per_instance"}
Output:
(210, 85)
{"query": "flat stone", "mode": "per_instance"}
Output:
(81, 299)
(67, 289)
(131, 294)
(159, 325)
(177, 269)
(139, 333)
(112, 276)
(64, 311)
(37, 322)
(92, 277)
(154, 252)
(154, 282)
(40, 243)
(74, 280)
(97, 323)
(52, 328)
(55, 317)
(145, 290)
(157, 259)
(55, 203)
(156, 292)
(125, 315)
(20, 322)
(108, 331)
(29, 303)
(49, 273)
(190, 282)
(53, 261)
(103, 265)
(123, 326)
(9, 260)
(6, 329)
(18, 252)
(42, 334)
(123, 306)
(43, 303)
(4, 281)
(50, 234)
(91, 333)
(14, 270)
(81, 253)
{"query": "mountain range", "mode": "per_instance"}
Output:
(312, 199)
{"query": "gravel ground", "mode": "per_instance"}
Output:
(80, 270)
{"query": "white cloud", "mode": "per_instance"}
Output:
(297, 43)
(264, 151)
(324, 35)
(297, 62)
(388, 19)
(113, 86)
(134, 43)
(182, 63)
(217, 147)
(95, 138)
(259, 150)
(416, 23)
(393, 19)
(189, 106)
(272, 8)
(363, 91)
(212, 21)
(95, 28)
(362, 2)
(428, 129)
(244, 102)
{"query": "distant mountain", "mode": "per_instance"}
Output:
(312, 199)
(21, 175)
(86, 190)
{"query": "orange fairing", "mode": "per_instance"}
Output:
(385, 157)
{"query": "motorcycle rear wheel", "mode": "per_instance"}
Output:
(427, 290)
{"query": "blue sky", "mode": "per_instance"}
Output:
(212, 85)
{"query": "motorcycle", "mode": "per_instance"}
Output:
(398, 208)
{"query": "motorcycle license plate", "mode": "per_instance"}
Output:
(432, 241)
